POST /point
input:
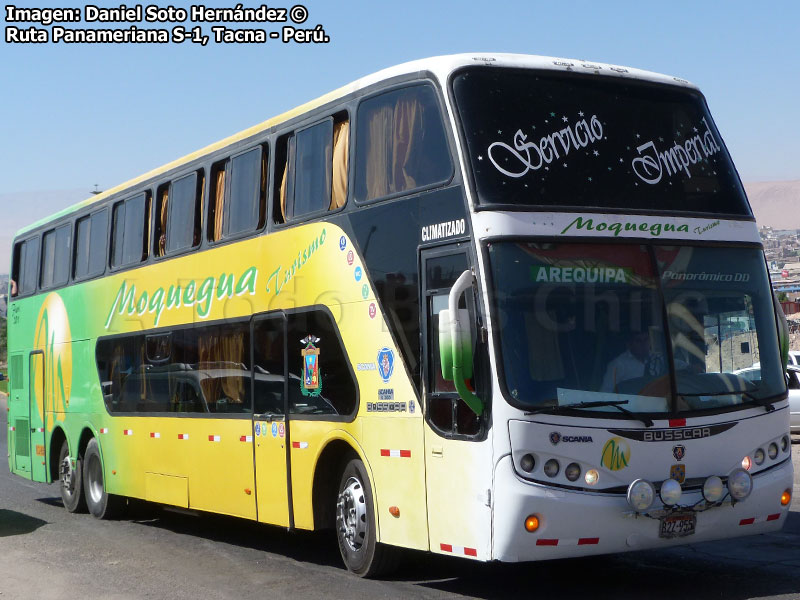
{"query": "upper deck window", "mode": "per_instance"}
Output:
(314, 162)
(130, 231)
(564, 140)
(401, 143)
(178, 210)
(24, 270)
(55, 257)
(91, 233)
(238, 194)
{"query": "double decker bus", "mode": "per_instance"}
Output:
(501, 307)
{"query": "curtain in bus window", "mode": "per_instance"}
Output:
(395, 131)
(218, 202)
(287, 183)
(224, 374)
(162, 223)
(341, 144)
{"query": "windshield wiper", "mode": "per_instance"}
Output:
(615, 403)
(761, 402)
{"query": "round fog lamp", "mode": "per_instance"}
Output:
(772, 450)
(640, 495)
(551, 467)
(740, 484)
(713, 489)
(527, 463)
(671, 492)
(758, 456)
(573, 471)
(591, 477)
(785, 443)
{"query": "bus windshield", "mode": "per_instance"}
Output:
(654, 329)
(537, 138)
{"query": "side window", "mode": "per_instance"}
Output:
(321, 381)
(314, 162)
(400, 143)
(130, 230)
(445, 411)
(268, 366)
(192, 370)
(55, 257)
(91, 233)
(25, 267)
(178, 214)
(238, 194)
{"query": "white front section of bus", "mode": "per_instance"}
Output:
(579, 520)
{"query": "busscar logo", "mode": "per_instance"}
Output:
(672, 435)
(679, 452)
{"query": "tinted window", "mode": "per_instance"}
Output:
(537, 138)
(243, 206)
(320, 379)
(55, 257)
(401, 143)
(25, 266)
(183, 225)
(196, 370)
(312, 170)
(130, 228)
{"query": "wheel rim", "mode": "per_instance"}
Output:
(67, 474)
(94, 475)
(351, 514)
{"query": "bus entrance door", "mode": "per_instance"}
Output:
(37, 404)
(270, 404)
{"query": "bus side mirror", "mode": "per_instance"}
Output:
(783, 331)
(455, 344)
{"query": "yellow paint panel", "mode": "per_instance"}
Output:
(166, 489)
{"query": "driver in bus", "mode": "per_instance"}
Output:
(630, 364)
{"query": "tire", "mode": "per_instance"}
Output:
(71, 480)
(355, 524)
(100, 503)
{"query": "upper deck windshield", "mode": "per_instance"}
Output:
(538, 138)
(654, 329)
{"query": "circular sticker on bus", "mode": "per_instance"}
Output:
(342, 243)
(274, 430)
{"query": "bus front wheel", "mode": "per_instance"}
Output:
(100, 503)
(71, 481)
(355, 524)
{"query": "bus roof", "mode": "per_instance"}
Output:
(440, 66)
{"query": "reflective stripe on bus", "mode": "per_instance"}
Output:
(396, 453)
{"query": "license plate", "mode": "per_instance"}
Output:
(677, 525)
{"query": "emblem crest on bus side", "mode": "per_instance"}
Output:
(385, 364)
(679, 452)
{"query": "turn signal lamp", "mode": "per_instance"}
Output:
(671, 492)
(532, 523)
(394, 511)
(746, 464)
(740, 484)
(786, 497)
(641, 494)
(713, 489)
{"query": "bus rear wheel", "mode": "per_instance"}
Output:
(71, 481)
(355, 524)
(100, 503)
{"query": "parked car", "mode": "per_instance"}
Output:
(793, 383)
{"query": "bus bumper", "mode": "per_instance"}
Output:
(575, 523)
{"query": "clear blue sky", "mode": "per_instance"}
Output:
(78, 115)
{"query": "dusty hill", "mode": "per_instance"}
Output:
(775, 203)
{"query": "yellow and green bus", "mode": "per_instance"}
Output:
(494, 306)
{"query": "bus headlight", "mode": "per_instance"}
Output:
(670, 492)
(772, 450)
(713, 489)
(785, 443)
(740, 484)
(527, 463)
(641, 494)
(573, 471)
(551, 467)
